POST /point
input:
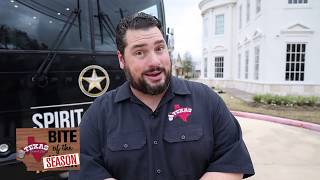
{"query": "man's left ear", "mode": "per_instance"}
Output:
(121, 59)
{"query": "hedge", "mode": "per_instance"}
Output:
(287, 100)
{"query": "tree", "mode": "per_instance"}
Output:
(187, 65)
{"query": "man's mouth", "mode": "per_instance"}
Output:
(154, 75)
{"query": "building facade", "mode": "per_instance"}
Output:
(262, 46)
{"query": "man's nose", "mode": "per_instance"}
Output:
(154, 59)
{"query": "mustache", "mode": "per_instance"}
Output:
(152, 69)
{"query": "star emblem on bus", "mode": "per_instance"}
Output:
(94, 81)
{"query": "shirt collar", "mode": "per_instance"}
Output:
(123, 92)
(177, 86)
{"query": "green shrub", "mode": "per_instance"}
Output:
(287, 100)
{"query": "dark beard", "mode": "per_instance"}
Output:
(142, 86)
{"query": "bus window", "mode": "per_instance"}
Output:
(152, 10)
(35, 24)
(107, 14)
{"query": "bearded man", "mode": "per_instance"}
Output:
(155, 126)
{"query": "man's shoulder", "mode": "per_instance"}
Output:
(197, 90)
(106, 100)
(193, 86)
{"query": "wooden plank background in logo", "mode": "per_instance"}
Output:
(40, 135)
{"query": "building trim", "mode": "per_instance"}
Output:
(297, 28)
(257, 34)
(219, 48)
(215, 4)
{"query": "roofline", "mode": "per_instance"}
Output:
(215, 4)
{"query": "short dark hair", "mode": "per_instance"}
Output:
(137, 21)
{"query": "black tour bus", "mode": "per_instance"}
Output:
(56, 57)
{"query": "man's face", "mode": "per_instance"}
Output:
(146, 61)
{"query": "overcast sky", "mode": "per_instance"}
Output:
(185, 17)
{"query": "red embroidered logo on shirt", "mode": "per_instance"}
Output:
(181, 112)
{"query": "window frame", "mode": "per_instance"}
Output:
(248, 7)
(98, 48)
(84, 47)
(205, 68)
(239, 66)
(297, 2)
(219, 29)
(240, 16)
(295, 61)
(258, 6)
(218, 67)
(246, 69)
(205, 27)
(256, 62)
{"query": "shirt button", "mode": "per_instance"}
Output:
(125, 146)
(158, 171)
(183, 137)
(155, 142)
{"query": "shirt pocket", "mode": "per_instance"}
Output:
(183, 134)
(126, 142)
(126, 155)
(184, 150)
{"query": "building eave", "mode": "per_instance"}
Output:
(214, 4)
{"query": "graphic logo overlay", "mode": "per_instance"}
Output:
(49, 148)
(37, 149)
(94, 81)
(180, 112)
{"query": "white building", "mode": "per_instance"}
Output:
(262, 46)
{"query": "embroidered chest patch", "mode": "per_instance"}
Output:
(181, 112)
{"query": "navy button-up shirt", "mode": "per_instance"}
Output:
(190, 133)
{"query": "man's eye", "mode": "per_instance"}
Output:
(160, 49)
(138, 53)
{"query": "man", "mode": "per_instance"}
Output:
(156, 126)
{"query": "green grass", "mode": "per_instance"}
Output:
(303, 113)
